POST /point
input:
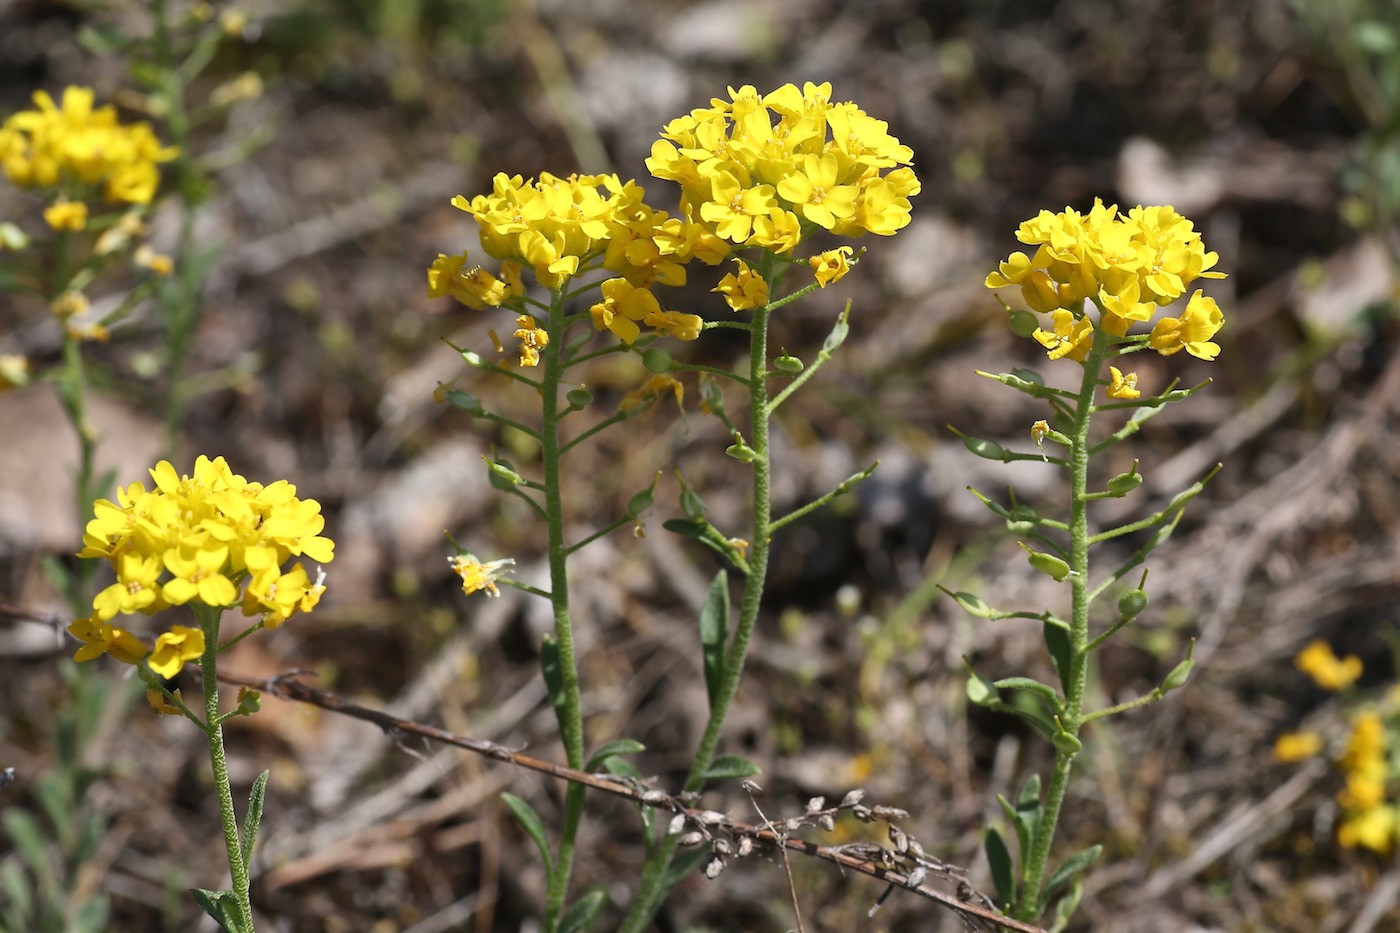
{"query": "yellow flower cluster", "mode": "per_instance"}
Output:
(60, 146)
(1128, 265)
(1327, 670)
(1368, 819)
(766, 170)
(196, 539)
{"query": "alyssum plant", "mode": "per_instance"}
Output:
(760, 175)
(1094, 276)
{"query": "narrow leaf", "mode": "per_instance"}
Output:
(1003, 874)
(1061, 651)
(613, 749)
(223, 907)
(686, 528)
(1072, 867)
(534, 827)
(253, 817)
(714, 634)
(1031, 685)
(583, 913)
(1066, 906)
(727, 767)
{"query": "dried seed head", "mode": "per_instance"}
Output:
(745, 845)
(723, 847)
(815, 804)
(827, 822)
(688, 797)
(862, 813)
(691, 839)
(713, 867)
(655, 797)
(751, 787)
(677, 824)
(890, 814)
(710, 817)
(915, 849)
(900, 840)
(853, 798)
(792, 824)
(917, 876)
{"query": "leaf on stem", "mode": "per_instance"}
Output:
(584, 912)
(1003, 873)
(729, 767)
(534, 828)
(253, 817)
(1071, 868)
(714, 633)
(1061, 650)
(611, 750)
(223, 907)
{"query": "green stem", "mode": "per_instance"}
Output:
(653, 886)
(1028, 904)
(214, 735)
(570, 711)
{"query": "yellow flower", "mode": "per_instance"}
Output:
(1122, 387)
(1297, 746)
(147, 258)
(743, 289)
(831, 266)
(1326, 670)
(1373, 829)
(174, 648)
(1071, 337)
(101, 638)
(651, 390)
(532, 340)
(478, 576)
(188, 539)
(159, 704)
(475, 287)
(1192, 331)
(14, 371)
(66, 215)
(676, 324)
(69, 304)
(622, 306)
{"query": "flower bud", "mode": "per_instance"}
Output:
(1022, 520)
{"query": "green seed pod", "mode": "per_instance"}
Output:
(1048, 564)
(1124, 483)
(973, 605)
(692, 505)
(639, 503)
(657, 360)
(741, 452)
(981, 691)
(1024, 323)
(465, 401)
(1131, 604)
(1029, 375)
(503, 476)
(987, 450)
(1177, 678)
(1022, 520)
(1067, 744)
(579, 398)
(249, 702)
(787, 365)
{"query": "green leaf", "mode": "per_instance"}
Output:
(714, 634)
(223, 907)
(28, 836)
(688, 529)
(583, 913)
(553, 672)
(683, 865)
(1024, 815)
(91, 917)
(980, 690)
(1066, 906)
(534, 827)
(728, 767)
(1033, 715)
(253, 818)
(1003, 874)
(612, 749)
(1061, 651)
(1031, 685)
(1071, 868)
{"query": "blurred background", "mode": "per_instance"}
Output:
(1275, 125)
